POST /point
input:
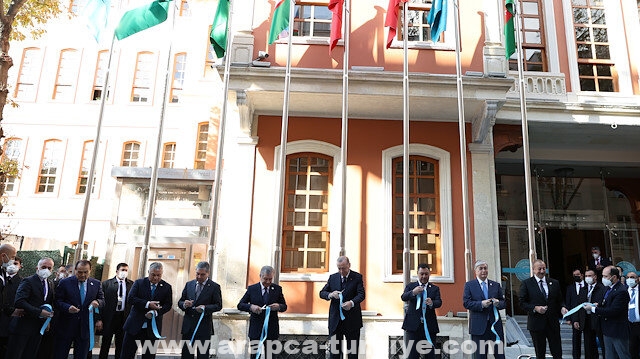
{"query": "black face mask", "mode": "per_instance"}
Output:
(577, 278)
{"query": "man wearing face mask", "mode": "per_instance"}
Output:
(633, 315)
(62, 274)
(7, 254)
(35, 295)
(576, 294)
(7, 308)
(591, 329)
(116, 309)
(597, 263)
(613, 311)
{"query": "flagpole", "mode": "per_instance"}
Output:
(153, 182)
(94, 158)
(213, 235)
(525, 141)
(463, 148)
(345, 123)
(277, 253)
(406, 253)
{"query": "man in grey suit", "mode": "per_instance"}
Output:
(201, 297)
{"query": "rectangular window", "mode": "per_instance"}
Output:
(184, 8)
(85, 167)
(11, 152)
(595, 67)
(99, 76)
(179, 64)
(201, 146)
(51, 160)
(142, 88)
(27, 83)
(312, 19)
(424, 214)
(68, 66)
(130, 154)
(168, 155)
(305, 237)
(77, 6)
(533, 39)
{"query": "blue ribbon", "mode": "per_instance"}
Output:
(341, 313)
(424, 317)
(154, 326)
(576, 308)
(91, 326)
(496, 319)
(48, 308)
(265, 329)
(197, 326)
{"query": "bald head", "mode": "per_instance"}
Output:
(7, 252)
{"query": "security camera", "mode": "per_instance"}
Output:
(262, 55)
(259, 61)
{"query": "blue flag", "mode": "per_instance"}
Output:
(437, 18)
(97, 13)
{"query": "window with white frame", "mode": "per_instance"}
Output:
(179, 65)
(11, 152)
(85, 167)
(142, 89)
(100, 75)
(68, 65)
(312, 19)
(169, 155)
(202, 145)
(130, 154)
(28, 75)
(431, 239)
(49, 166)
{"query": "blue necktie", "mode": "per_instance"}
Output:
(485, 291)
(82, 293)
(632, 311)
(153, 290)
(265, 296)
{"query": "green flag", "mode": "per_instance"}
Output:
(219, 29)
(280, 20)
(142, 18)
(509, 29)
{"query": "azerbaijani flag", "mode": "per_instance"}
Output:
(280, 20)
(142, 18)
(392, 19)
(335, 6)
(437, 18)
(509, 28)
(219, 29)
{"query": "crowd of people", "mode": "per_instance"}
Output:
(600, 306)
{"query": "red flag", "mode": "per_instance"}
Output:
(392, 19)
(335, 6)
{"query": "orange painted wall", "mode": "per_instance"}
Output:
(562, 42)
(367, 140)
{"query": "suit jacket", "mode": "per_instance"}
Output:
(354, 291)
(573, 298)
(110, 289)
(604, 262)
(412, 318)
(253, 295)
(30, 297)
(210, 297)
(138, 297)
(531, 296)
(67, 295)
(7, 307)
(613, 311)
(472, 298)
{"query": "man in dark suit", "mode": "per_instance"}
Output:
(348, 283)
(201, 295)
(115, 311)
(255, 300)
(481, 296)
(33, 294)
(150, 297)
(414, 323)
(74, 296)
(597, 262)
(541, 298)
(613, 311)
(7, 308)
(634, 315)
(576, 294)
(592, 330)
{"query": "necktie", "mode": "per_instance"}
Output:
(632, 307)
(598, 261)
(485, 291)
(82, 293)
(198, 290)
(153, 290)
(44, 289)
(590, 291)
(343, 282)
(542, 289)
(265, 296)
(120, 292)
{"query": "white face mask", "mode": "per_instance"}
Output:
(62, 275)
(122, 275)
(595, 255)
(12, 269)
(631, 282)
(589, 280)
(606, 282)
(44, 273)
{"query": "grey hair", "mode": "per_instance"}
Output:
(203, 265)
(266, 270)
(45, 259)
(155, 266)
(342, 259)
(480, 262)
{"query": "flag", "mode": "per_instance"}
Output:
(509, 28)
(142, 18)
(392, 19)
(96, 13)
(219, 29)
(280, 20)
(335, 6)
(437, 18)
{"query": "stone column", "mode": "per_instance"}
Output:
(495, 62)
